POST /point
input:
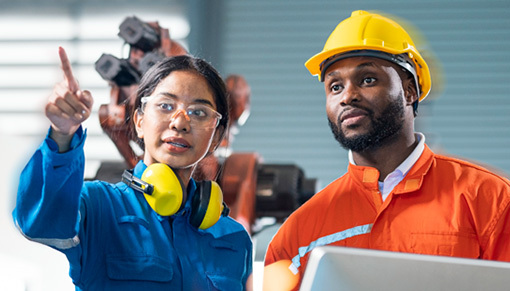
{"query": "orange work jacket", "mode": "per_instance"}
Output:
(443, 206)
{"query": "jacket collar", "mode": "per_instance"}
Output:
(368, 176)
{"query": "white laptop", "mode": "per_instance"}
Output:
(341, 268)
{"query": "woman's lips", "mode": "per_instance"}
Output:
(176, 145)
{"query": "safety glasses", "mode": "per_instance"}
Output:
(198, 115)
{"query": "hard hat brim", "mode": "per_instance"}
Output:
(318, 64)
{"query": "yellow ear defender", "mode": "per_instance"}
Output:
(167, 194)
(164, 193)
(207, 205)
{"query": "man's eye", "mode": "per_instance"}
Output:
(369, 80)
(336, 88)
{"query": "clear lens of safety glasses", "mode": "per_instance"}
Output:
(199, 115)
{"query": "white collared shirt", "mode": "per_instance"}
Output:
(400, 172)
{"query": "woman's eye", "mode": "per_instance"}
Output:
(198, 112)
(166, 106)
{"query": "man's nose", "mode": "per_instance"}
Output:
(350, 94)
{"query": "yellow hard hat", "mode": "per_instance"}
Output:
(374, 35)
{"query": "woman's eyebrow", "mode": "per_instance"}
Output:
(198, 100)
(168, 94)
(204, 101)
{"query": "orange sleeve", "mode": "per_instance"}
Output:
(277, 252)
(276, 249)
(498, 246)
(271, 255)
(283, 244)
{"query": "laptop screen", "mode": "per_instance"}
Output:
(341, 268)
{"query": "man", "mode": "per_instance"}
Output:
(397, 194)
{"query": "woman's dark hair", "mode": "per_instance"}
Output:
(162, 69)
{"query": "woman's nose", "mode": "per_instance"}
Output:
(180, 111)
(180, 120)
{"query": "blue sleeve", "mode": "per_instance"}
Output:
(248, 263)
(48, 198)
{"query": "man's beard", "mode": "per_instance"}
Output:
(384, 129)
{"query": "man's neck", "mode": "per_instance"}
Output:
(388, 157)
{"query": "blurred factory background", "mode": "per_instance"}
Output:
(267, 42)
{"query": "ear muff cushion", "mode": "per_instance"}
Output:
(207, 205)
(167, 197)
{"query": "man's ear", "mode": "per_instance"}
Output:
(411, 95)
(138, 120)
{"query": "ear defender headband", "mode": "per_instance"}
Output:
(164, 193)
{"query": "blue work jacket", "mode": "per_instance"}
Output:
(114, 240)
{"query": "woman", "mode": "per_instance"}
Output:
(111, 235)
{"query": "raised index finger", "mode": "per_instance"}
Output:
(68, 72)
